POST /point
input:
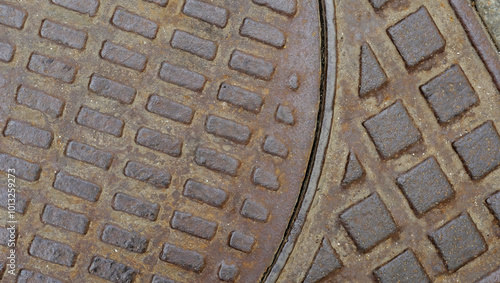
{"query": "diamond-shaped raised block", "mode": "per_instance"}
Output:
(368, 222)
(228, 272)
(458, 242)
(425, 186)
(493, 277)
(392, 130)
(372, 76)
(449, 94)
(353, 171)
(416, 37)
(479, 150)
(404, 268)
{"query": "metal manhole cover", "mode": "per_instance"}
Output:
(257, 140)
(156, 138)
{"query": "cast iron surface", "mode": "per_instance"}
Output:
(155, 138)
(246, 141)
(408, 190)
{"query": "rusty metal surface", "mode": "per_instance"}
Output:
(274, 141)
(479, 38)
(490, 15)
(156, 139)
(407, 189)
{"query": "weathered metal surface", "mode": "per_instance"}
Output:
(489, 10)
(479, 38)
(407, 189)
(155, 140)
(216, 140)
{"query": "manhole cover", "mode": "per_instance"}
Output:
(155, 139)
(409, 188)
(257, 140)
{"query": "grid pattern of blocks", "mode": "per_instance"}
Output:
(426, 186)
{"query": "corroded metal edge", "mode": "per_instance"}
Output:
(325, 119)
(479, 37)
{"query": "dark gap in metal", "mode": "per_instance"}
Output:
(310, 165)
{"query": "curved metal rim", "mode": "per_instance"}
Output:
(325, 119)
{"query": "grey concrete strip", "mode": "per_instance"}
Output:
(489, 10)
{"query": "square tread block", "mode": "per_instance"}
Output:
(416, 37)
(449, 94)
(368, 222)
(425, 186)
(392, 130)
(404, 268)
(479, 150)
(458, 242)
